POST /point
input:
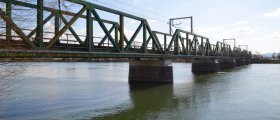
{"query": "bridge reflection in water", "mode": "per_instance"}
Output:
(160, 101)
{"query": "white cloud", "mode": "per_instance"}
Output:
(274, 13)
(241, 23)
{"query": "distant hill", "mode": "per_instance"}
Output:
(268, 55)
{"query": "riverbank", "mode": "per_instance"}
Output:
(265, 61)
(77, 60)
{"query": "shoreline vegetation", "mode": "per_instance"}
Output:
(266, 61)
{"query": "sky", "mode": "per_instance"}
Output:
(251, 22)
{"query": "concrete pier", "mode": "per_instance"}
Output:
(205, 65)
(247, 61)
(240, 62)
(157, 71)
(227, 63)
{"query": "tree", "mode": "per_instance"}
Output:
(273, 55)
(278, 56)
(26, 17)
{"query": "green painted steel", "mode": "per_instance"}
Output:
(89, 30)
(63, 30)
(122, 36)
(8, 27)
(71, 30)
(40, 25)
(144, 38)
(16, 29)
(180, 43)
(133, 36)
(105, 37)
(105, 29)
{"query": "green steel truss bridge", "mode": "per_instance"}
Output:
(31, 43)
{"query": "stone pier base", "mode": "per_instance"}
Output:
(240, 62)
(227, 63)
(247, 61)
(157, 71)
(205, 65)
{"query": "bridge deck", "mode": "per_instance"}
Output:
(6, 53)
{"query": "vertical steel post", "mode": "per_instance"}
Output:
(170, 26)
(191, 24)
(89, 30)
(165, 38)
(145, 37)
(116, 34)
(176, 44)
(187, 43)
(195, 45)
(8, 27)
(56, 24)
(40, 19)
(153, 46)
(202, 47)
(121, 43)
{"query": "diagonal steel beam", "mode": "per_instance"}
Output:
(105, 37)
(105, 29)
(72, 30)
(67, 26)
(182, 43)
(29, 5)
(125, 38)
(8, 27)
(133, 37)
(158, 45)
(44, 22)
(172, 40)
(16, 29)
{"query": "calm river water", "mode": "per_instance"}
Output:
(101, 91)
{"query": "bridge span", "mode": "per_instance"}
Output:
(151, 59)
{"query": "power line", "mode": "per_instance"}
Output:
(107, 4)
(147, 11)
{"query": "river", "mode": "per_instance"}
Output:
(101, 91)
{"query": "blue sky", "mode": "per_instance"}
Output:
(251, 22)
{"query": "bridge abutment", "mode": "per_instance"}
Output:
(157, 71)
(227, 63)
(205, 65)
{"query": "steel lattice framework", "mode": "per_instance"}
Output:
(183, 44)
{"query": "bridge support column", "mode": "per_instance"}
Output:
(205, 65)
(157, 71)
(240, 62)
(227, 63)
(247, 61)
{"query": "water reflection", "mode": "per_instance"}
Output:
(8, 72)
(165, 101)
(147, 100)
(101, 91)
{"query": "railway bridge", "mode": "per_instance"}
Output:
(150, 59)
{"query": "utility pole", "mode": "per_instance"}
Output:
(173, 19)
(231, 40)
(244, 46)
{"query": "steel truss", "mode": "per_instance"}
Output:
(181, 42)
